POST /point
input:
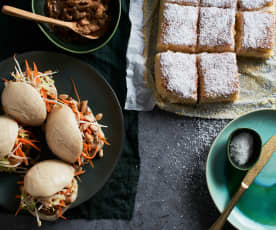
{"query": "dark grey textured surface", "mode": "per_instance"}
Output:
(172, 191)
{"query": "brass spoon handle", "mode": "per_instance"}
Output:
(9, 10)
(223, 217)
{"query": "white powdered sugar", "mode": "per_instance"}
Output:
(242, 148)
(180, 72)
(216, 26)
(185, 2)
(219, 3)
(180, 25)
(254, 4)
(219, 73)
(257, 30)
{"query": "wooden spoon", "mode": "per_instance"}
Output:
(267, 152)
(12, 11)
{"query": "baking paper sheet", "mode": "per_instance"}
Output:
(257, 77)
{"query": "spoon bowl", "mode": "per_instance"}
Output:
(257, 148)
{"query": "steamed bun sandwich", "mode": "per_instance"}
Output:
(16, 146)
(73, 132)
(48, 190)
(28, 97)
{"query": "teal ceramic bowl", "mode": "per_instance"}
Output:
(87, 46)
(257, 208)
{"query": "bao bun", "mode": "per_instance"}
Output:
(9, 132)
(54, 217)
(22, 102)
(63, 135)
(47, 178)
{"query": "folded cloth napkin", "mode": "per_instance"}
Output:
(116, 199)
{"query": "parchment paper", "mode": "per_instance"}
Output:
(257, 79)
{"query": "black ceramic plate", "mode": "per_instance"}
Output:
(101, 98)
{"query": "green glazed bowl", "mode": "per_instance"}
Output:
(38, 7)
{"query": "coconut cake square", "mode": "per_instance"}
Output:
(176, 77)
(218, 77)
(216, 30)
(177, 28)
(255, 34)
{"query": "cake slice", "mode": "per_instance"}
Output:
(219, 3)
(176, 77)
(216, 30)
(246, 5)
(255, 34)
(185, 2)
(177, 28)
(218, 77)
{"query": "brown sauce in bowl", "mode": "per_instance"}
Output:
(92, 16)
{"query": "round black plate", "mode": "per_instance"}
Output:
(102, 99)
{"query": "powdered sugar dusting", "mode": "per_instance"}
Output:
(216, 26)
(219, 3)
(254, 4)
(257, 30)
(179, 69)
(219, 74)
(185, 2)
(180, 25)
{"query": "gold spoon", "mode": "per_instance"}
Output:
(12, 11)
(267, 152)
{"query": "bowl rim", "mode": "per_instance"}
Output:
(236, 225)
(83, 51)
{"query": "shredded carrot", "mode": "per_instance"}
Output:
(20, 182)
(4, 79)
(64, 101)
(60, 213)
(20, 152)
(67, 191)
(53, 96)
(18, 210)
(76, 91)
(51, 102)
(103, 139)
(28, 69)
(86, 156)
(89, 147)
(18, 196)
(79, 173)
(88, 130)
(28, 142)
(91, 163)
(37, 80)
(95, 152)
(62, 203)
(85, 147)
(44, 95)
(79, 161)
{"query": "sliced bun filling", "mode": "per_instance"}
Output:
(93, 137)
(21, 154)
(51, 207)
